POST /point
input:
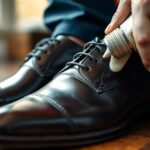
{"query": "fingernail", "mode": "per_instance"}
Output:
(107, 29)
(107, 53)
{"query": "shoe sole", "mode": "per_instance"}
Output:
(69, 141)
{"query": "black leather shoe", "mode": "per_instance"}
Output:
(84, 104)
(48, 57)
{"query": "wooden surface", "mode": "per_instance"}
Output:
(136, 139)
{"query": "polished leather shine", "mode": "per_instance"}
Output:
(39, 67)
(81, 105)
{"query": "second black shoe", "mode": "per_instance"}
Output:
(39, 67)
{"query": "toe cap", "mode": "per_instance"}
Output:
(31, 116)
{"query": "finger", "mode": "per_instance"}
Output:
(141, 30)
(123, 11)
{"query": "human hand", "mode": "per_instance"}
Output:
(140, 10)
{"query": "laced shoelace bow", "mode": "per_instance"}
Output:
(95, 45)
(42, 47)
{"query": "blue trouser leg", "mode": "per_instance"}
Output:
(82, 18)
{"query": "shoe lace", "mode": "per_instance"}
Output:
(42, 47)
(96, 44)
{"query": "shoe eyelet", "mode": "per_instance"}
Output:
(38, 58)
(88, 68)
(95, 61)
(59, 42)
(52, 46)
(46, 52)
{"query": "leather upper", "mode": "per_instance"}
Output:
(81, 100)
(48, 57)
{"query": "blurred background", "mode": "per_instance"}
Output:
(21, 27)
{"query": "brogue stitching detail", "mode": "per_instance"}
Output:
(57, 106)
